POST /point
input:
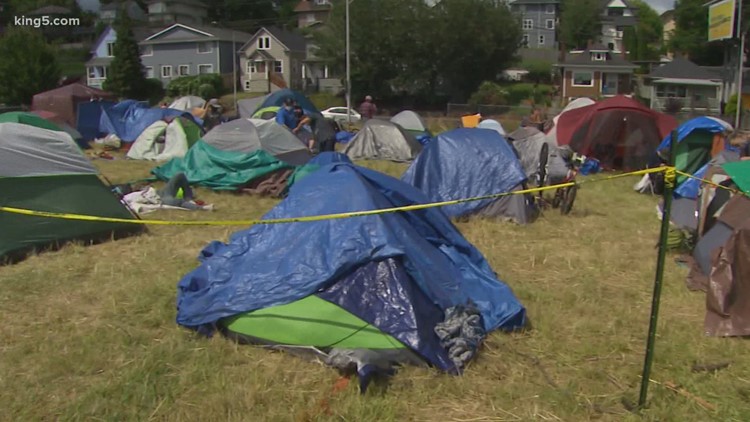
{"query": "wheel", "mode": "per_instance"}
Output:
(568, 200)
(543, 157)
(558, 198)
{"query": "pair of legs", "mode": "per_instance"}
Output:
(169, 193)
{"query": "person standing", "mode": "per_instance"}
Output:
(368, 109)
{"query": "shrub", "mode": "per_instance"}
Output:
(324, 100)
(673, 105)
(153, 90)
(212, 85)
(539, 94)
(489, 93)
(730, 109)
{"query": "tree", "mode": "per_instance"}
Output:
(644, 40)
(540, 71)
(29, 66)
(126, 77)
(408, 48)
(691, 34)
(580, 22)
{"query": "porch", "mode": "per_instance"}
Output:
(704, 96)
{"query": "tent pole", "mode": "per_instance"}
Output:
(661, 257)
(741, 33)
(348, 71)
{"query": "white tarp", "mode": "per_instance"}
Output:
(31, 151)
(492, 124)
(188, 103)
(146, 146)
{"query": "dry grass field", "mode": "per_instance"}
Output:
(89, 333)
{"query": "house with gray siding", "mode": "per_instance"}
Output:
(272, 59)
(182, 50)
(539, 21)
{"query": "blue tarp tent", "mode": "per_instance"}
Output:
(276, 264)
(88, 116)
(127, 119)
(471, 162)
(277, 98)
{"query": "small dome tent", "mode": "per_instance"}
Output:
(382, 140)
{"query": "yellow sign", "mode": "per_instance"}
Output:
(721, 20)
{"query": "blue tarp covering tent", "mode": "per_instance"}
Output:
(695, 142)
(88, 117)
(127, 119)
(471, 162)
(276, 264)
(277, 98)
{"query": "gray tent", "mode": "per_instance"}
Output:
(383, 140)
(492, 124)
(249, 135)
(246, 108)
(409, 120)
(528, 142)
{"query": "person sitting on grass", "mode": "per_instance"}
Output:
(176, 193)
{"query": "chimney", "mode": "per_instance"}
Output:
(624, 53)
(561, 53)
(589, 44)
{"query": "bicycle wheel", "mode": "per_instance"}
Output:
(543, 158)
(569, 198)
(558, 198)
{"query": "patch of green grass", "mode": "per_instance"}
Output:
(90, 333)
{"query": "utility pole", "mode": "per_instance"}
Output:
(741, 33)
(348, 71)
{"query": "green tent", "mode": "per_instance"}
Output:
(311, 321)
(44, 170)
(266, 113)
(208, 166)
(28, 119)
(739, 171)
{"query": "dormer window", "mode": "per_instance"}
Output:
(598, 57)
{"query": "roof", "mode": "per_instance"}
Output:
(669, 14)
(311, 6)
(207, 33)
(51, 10)
(681, 68)
(291, 40)
(627, 4)
(115, 5)
(583, 59)
(186, 2)
(139, 33)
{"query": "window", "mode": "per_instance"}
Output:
(204, 69)
(103, 71)
(256, 67)
(525, 41)
(528, 24)
(166, 71)
(599, 57)
(550, 24)
(321, 2)
(541, 40)
(583, 79)
(670, 91)
(247, 85)
(183, 70)
(204, 47)
(149, 72)
(264, 43)
(550, 9)
(147, 50)
(615, 12)
(110, 49)
(278, 66)
(92, 73)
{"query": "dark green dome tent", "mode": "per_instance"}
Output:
(44, 170)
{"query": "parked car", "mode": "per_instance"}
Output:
(338, 114)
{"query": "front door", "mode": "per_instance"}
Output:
(609, 83)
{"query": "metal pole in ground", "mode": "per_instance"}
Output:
(741, 34)
(661, 257)
(348, 71)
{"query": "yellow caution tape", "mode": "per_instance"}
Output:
(416, 207)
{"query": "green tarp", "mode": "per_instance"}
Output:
(28, 119)
(739, 171)
(213, 168)
(310, 321)
(692, 153)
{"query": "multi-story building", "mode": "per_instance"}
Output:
(616, 16)
(166, 12)
(539, 19)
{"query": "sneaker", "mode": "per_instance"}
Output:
(209, 207)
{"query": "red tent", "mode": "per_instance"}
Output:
(64, 101)
(620, 132)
